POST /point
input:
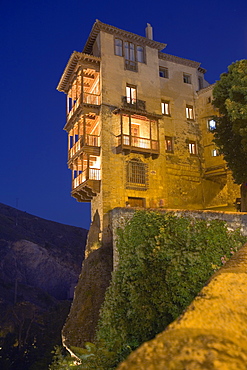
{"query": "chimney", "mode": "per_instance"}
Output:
(149, 31)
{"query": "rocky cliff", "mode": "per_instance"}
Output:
(40, 262)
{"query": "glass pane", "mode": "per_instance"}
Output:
(126, 50)
(119, 47)
(132, 52)
(140, 54)
(133, 94)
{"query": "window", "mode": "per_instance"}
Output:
(165, 108)
(209, 100)
(137, 174)
(140, 54)
(135, 202)
(187, 78)
(131, 52)
(119, 47)
(131, 94)
(163, 72)
(192, 148)
(211, 124)
(169, 144)
(189, 112)
(215, 153)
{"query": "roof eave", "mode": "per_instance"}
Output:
(100, 26)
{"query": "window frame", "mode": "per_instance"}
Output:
(165, 104)
(188, 110)
(215, 152)
(136, 174)
(187, 78)
(129, 51)
(131, 98)
(200, 82)
(118, 46)
(165, 71)
(211, 127)
(169, 139)
(192, 144)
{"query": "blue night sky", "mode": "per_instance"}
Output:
(37, 38)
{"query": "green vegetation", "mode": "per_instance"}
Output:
(230, 96)
(164, 261)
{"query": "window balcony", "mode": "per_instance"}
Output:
(91, 145)
(133, 104)
(137, 144)
(89, 100)
(86, 185)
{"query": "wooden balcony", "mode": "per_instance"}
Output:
(86, 185)
(88, 103)
(128, 143)
(89, 145)
(134, 104)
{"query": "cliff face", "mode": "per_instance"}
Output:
(80, 326)
(40, 262)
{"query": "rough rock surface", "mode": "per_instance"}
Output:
(212, 332)
(40, 253)
(89, 295)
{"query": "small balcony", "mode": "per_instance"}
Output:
(89, 145)
(86, 185)
(137, 144)
(133, 104)
(89, 100)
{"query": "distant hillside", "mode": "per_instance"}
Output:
(40, 262)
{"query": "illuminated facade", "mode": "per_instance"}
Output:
(139, 124)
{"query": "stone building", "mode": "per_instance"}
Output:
(139, 124)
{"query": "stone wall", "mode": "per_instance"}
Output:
(119, 217)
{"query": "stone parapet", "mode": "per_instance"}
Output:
(119, 217)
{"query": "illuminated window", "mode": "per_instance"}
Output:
(211, 124)
(131, 94)
(187, 78)
(215, 153)
(189, 112)
(192, 148)
(137, 176)
(119, 47)
(165, 108)
(169, 144)
(163, 72)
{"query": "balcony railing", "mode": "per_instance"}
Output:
(131, 65)
(138, 143)
(135, 104)
(87, 174)
(91, 98)
(73, 109)
(75, 148)
(91, 141)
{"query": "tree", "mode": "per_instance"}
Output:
(230, 135)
